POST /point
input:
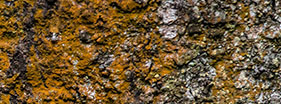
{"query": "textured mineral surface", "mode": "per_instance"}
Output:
(140, 51)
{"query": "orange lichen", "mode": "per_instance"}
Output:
(5, 99)
(4, 61)
(58, 67)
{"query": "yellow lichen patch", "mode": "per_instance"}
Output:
(39, 14)
(5, 99)
(31, 2)
(127, 5)
(4, 61)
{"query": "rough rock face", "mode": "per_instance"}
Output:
(140, 51)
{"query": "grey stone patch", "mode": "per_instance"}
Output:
(169, 13)
(85, 37)
(192, 83)
(198, 76)
(141, 1)
(169, 32)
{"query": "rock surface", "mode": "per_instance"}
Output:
(140, 51)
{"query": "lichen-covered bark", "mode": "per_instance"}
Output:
(140, 51)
